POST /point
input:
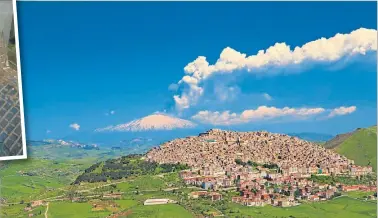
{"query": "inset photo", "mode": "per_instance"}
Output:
(12, 140)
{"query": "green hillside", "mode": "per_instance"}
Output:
(360, 146)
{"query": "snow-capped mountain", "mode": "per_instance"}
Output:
(151, 122)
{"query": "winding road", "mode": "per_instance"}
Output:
(47, 209)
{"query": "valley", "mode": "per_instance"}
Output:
(66, 181)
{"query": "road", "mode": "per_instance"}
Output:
(47, 209)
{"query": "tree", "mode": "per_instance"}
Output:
(71, 194)
(239, 162)
(296, 193)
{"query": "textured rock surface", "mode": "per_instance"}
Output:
(10, 116)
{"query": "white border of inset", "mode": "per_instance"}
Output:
(20, 95)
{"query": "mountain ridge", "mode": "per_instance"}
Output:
(359, 145)
(312, 136)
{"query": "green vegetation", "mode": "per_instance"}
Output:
(331, 180)
(16, 210)
(160, 211)
(359, 194)
(342, 207)
(75, 187)
(74, 210)
(126, 204)
(336, 141)
(124, 167)
(361, 147)
(136, 189)
(34, 178)
(254, 164)
(67, 153)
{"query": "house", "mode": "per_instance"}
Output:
(227, 183)
(254, 202)
(274, 202)
(215, 196)
(283, 203)
(37, 203)
(197, 194)
(265, 197)
(207, 185)
(329, 194)
(347, 188)
(185, 174)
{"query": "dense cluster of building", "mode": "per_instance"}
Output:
(265, 168)
(217, 150)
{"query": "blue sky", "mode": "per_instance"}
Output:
(81, 60)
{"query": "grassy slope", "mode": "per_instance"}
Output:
(47, 176)
(74, 210)
(333, 143)
(343, 207)
(79, 210)
(361, 147)
(161, 211)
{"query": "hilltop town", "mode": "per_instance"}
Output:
(218, 150)
(266, 168)
(217, 173)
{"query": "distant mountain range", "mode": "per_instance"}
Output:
(359, 145)
(140, 135)
(72, 144)
(313, 137)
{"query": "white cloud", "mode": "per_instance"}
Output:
(224, 93)
(48, 131)
(75, 126)
(184, 101)
(261, 113)
(342, 111)
(359, 41)
(110, 113)
(267, 97)
(217, 118)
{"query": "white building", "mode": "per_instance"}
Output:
(156, 201)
